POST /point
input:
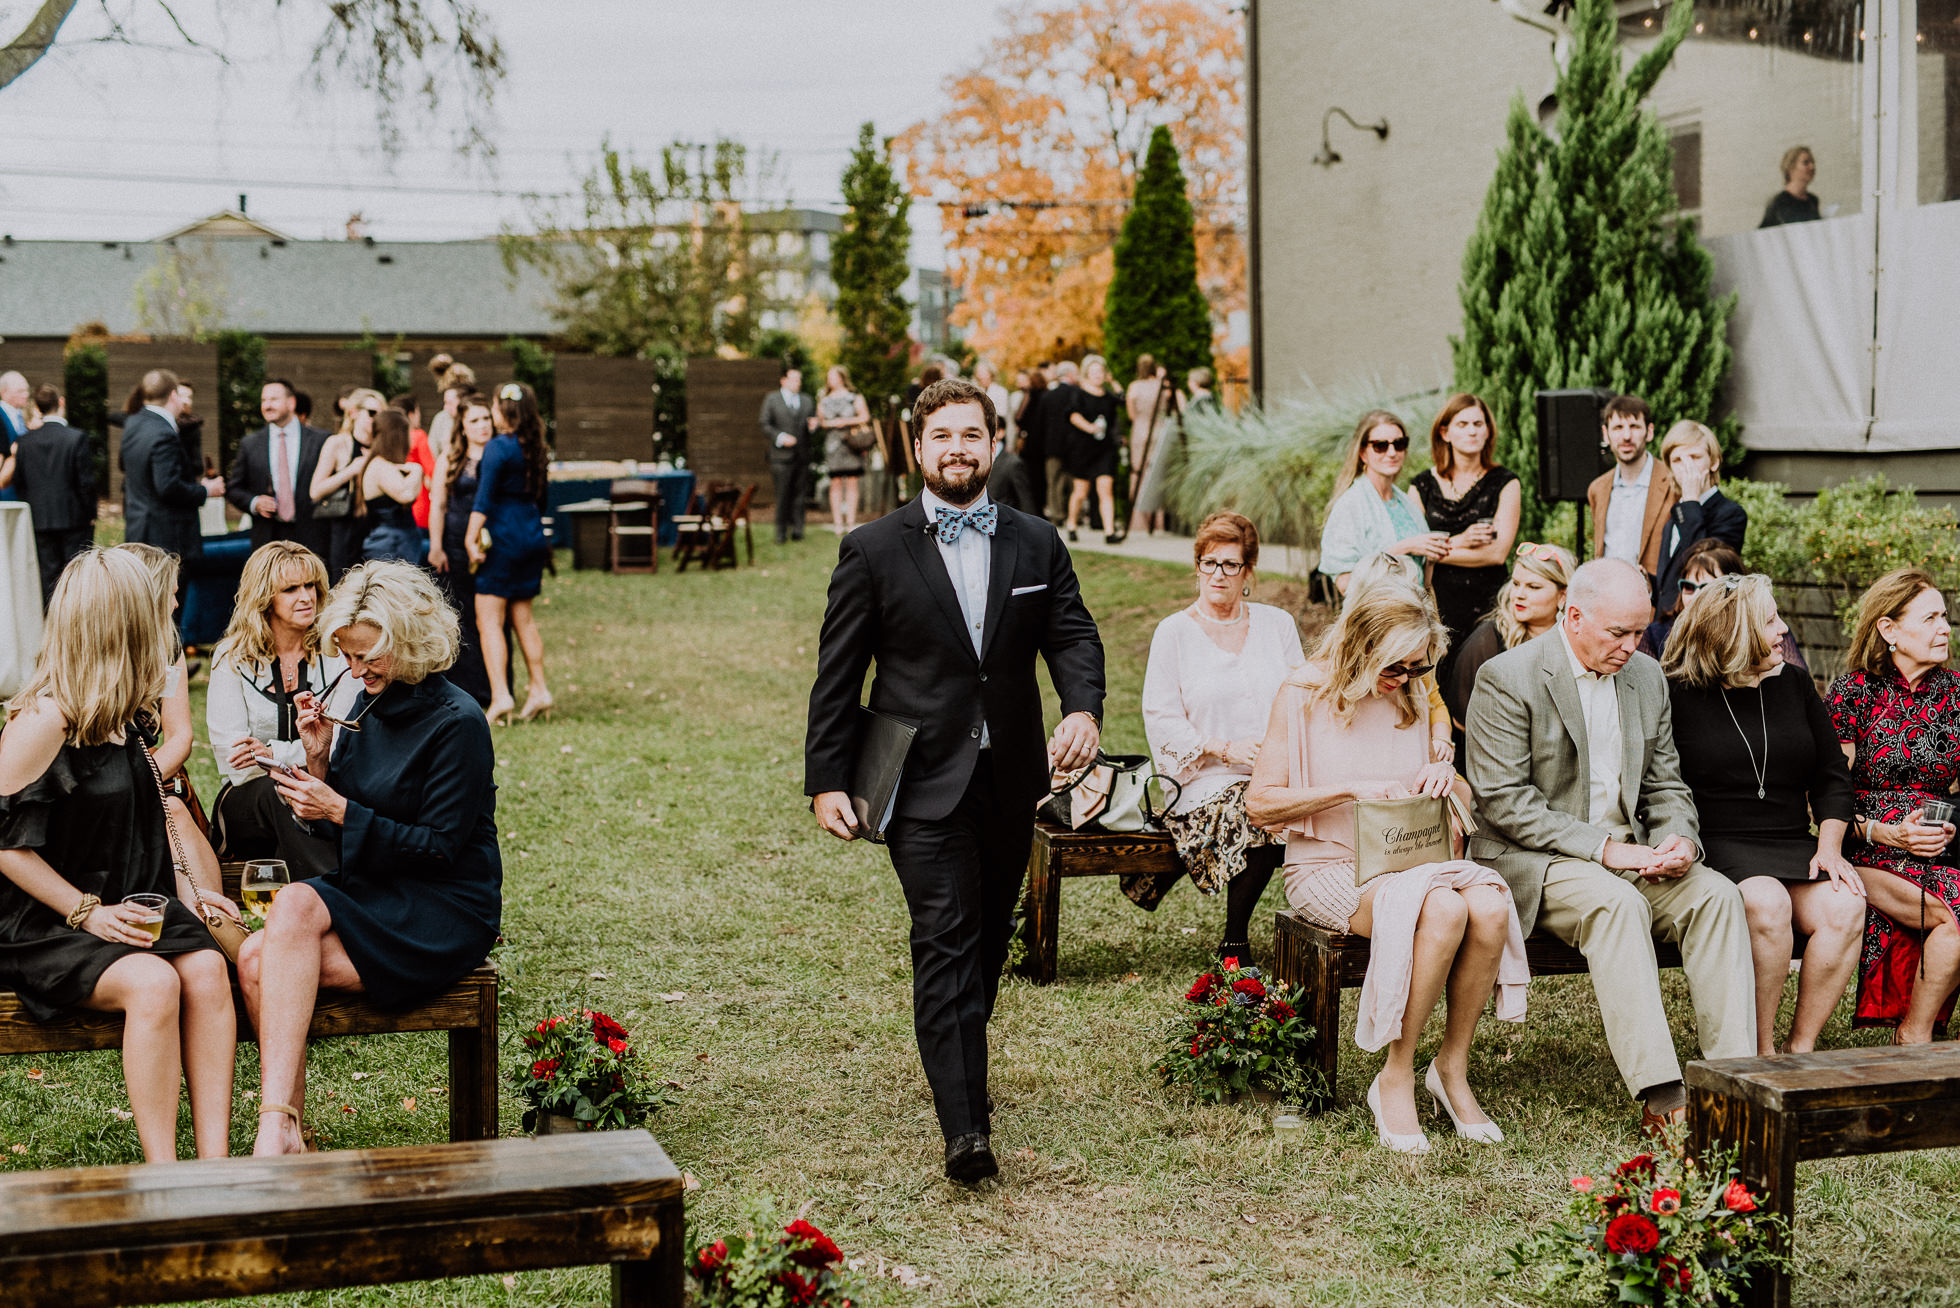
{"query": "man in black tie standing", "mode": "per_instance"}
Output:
(789, 419)
(54, 471)
(953, 597)
(272, 473)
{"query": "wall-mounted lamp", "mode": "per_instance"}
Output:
(1328, 156)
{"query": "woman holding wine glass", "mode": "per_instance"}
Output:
(409, 797)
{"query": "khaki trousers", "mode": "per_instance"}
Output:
(1613, 918)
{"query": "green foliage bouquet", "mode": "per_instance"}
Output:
(585, 1067)
(764, 1268)
(1234, 1033)
(1658, 1229)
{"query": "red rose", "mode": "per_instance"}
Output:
(1612, 1203)
(714, 1256)
(1641, 1165)
(1250, 985)
(1281, 1011)
(1675, 1272)
(604, 1028)
(1231, 964)
(1196, 994)
(1632, 1233)
(801, 1290)
(1737, 1198)
(1665, 1202)
(818, 1250)
(617, 1045)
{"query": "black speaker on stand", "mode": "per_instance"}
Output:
(1571, 451)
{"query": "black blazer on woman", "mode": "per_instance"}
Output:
(1692, 521)
(892, 603)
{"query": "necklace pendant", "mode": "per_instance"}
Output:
(1759, 792)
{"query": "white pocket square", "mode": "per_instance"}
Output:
(1028, 590)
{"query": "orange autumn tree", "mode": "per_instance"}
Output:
(1034, 160)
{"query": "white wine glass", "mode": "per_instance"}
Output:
(262, 881)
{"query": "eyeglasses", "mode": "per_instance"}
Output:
(372, 413)
(1409, 670)
(1727, 581)
(1383, 447)
(1228, 567)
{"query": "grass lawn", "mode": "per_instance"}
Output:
(660, 862)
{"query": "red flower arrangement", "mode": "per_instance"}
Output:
(1235, 1033)
(584, 1067)
(1663, 1230)
(793, 1266)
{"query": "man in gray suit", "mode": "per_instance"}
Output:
(1570, 748)
(788, 419)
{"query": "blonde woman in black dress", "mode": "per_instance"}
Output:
(81, 829)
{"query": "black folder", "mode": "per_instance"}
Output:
(883, 743)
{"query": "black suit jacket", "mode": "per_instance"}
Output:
(778, 417)
(1721, 518)
(54, 471)
(892, 603)
(250, 476)
(161, 490)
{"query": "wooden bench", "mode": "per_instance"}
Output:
(467, 1011)
(1778, 1112)
(235, 1226)
(1323, 964)
(1059, 852)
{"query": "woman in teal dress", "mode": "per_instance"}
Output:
(1367, 514)
(511, 483)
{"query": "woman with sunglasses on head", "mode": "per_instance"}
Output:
(1367, 514)
(1760, 754)
(343, 462)
(1705, 563)
(511, 484)
(1214, 669)
(269, 656)
(1350, 726)
(404, 786)
(1465, 494)
(1527, 607)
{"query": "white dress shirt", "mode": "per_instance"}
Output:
(1599, 700)
(1626, 513)
(785, 439)
(158, 408)
(969, 563)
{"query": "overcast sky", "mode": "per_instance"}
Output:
(104, 141)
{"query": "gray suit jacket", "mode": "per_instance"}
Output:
(1525, 741)
(777, 417)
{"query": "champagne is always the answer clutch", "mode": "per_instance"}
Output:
(1394, 835)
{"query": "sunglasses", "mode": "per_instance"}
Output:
(1229, 567)
(1409, 670)
(1383, 447)
(372, 413)
(1528, 550)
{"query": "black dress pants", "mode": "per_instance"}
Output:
(789, 478)
(251, 821)
(53, 547)
(962, 877)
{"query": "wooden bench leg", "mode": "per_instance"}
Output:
(1044, 912)
(1766, 1155)
(1320, 970)
(659, 1281)
(473, 1076)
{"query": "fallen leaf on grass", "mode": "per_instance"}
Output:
(20, 1149)
(912, 1280)
(564, 749)
(347, 1108)
(362, 1076)
(510, 1283)
(1189, 931)
(409, 1103)
(602, 976)
(702, 1058)
(122, 1114)
(673, 996)
(1250, 1220)
(688, 1182)
(1026, 1155)
(35, 1074)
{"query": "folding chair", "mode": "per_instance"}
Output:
(633, 526)
(707, 536)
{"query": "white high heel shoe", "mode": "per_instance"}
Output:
(1401, 1144)
(1482, 1132)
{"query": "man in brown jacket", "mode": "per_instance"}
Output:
(1630, 505)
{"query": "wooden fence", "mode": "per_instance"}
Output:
(724, 408)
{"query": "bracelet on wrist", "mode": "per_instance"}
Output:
(88, 905)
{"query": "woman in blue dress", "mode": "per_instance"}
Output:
(452, 498)
(511, 484)
(406, 788)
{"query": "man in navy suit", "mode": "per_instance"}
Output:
(953, 597)
(54, 471)
(161, 489)
(13, 420)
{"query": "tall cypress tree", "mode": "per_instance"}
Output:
(1154, 305)
(870, 260)
(1581, 271)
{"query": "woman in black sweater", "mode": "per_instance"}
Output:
(1760, 754)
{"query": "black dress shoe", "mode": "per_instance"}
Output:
(970, 1158)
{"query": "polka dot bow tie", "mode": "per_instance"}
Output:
(951, 522)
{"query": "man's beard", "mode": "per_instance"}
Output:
(961, 495)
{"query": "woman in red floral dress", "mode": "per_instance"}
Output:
(1897, 713)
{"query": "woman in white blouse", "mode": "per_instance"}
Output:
(270, 653)
(1208, 691)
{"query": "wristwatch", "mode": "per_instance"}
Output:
(82, 910)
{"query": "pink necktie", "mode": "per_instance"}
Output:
(282, 479)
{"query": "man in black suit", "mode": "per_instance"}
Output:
(788, 420)
(953, 597)
(273, 469)
(161, 489)
(54, 471)
(1058, 437)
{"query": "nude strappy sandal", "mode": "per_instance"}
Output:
(305, 1133)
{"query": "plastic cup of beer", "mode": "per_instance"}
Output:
(151, 908)
(1289, 1125)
